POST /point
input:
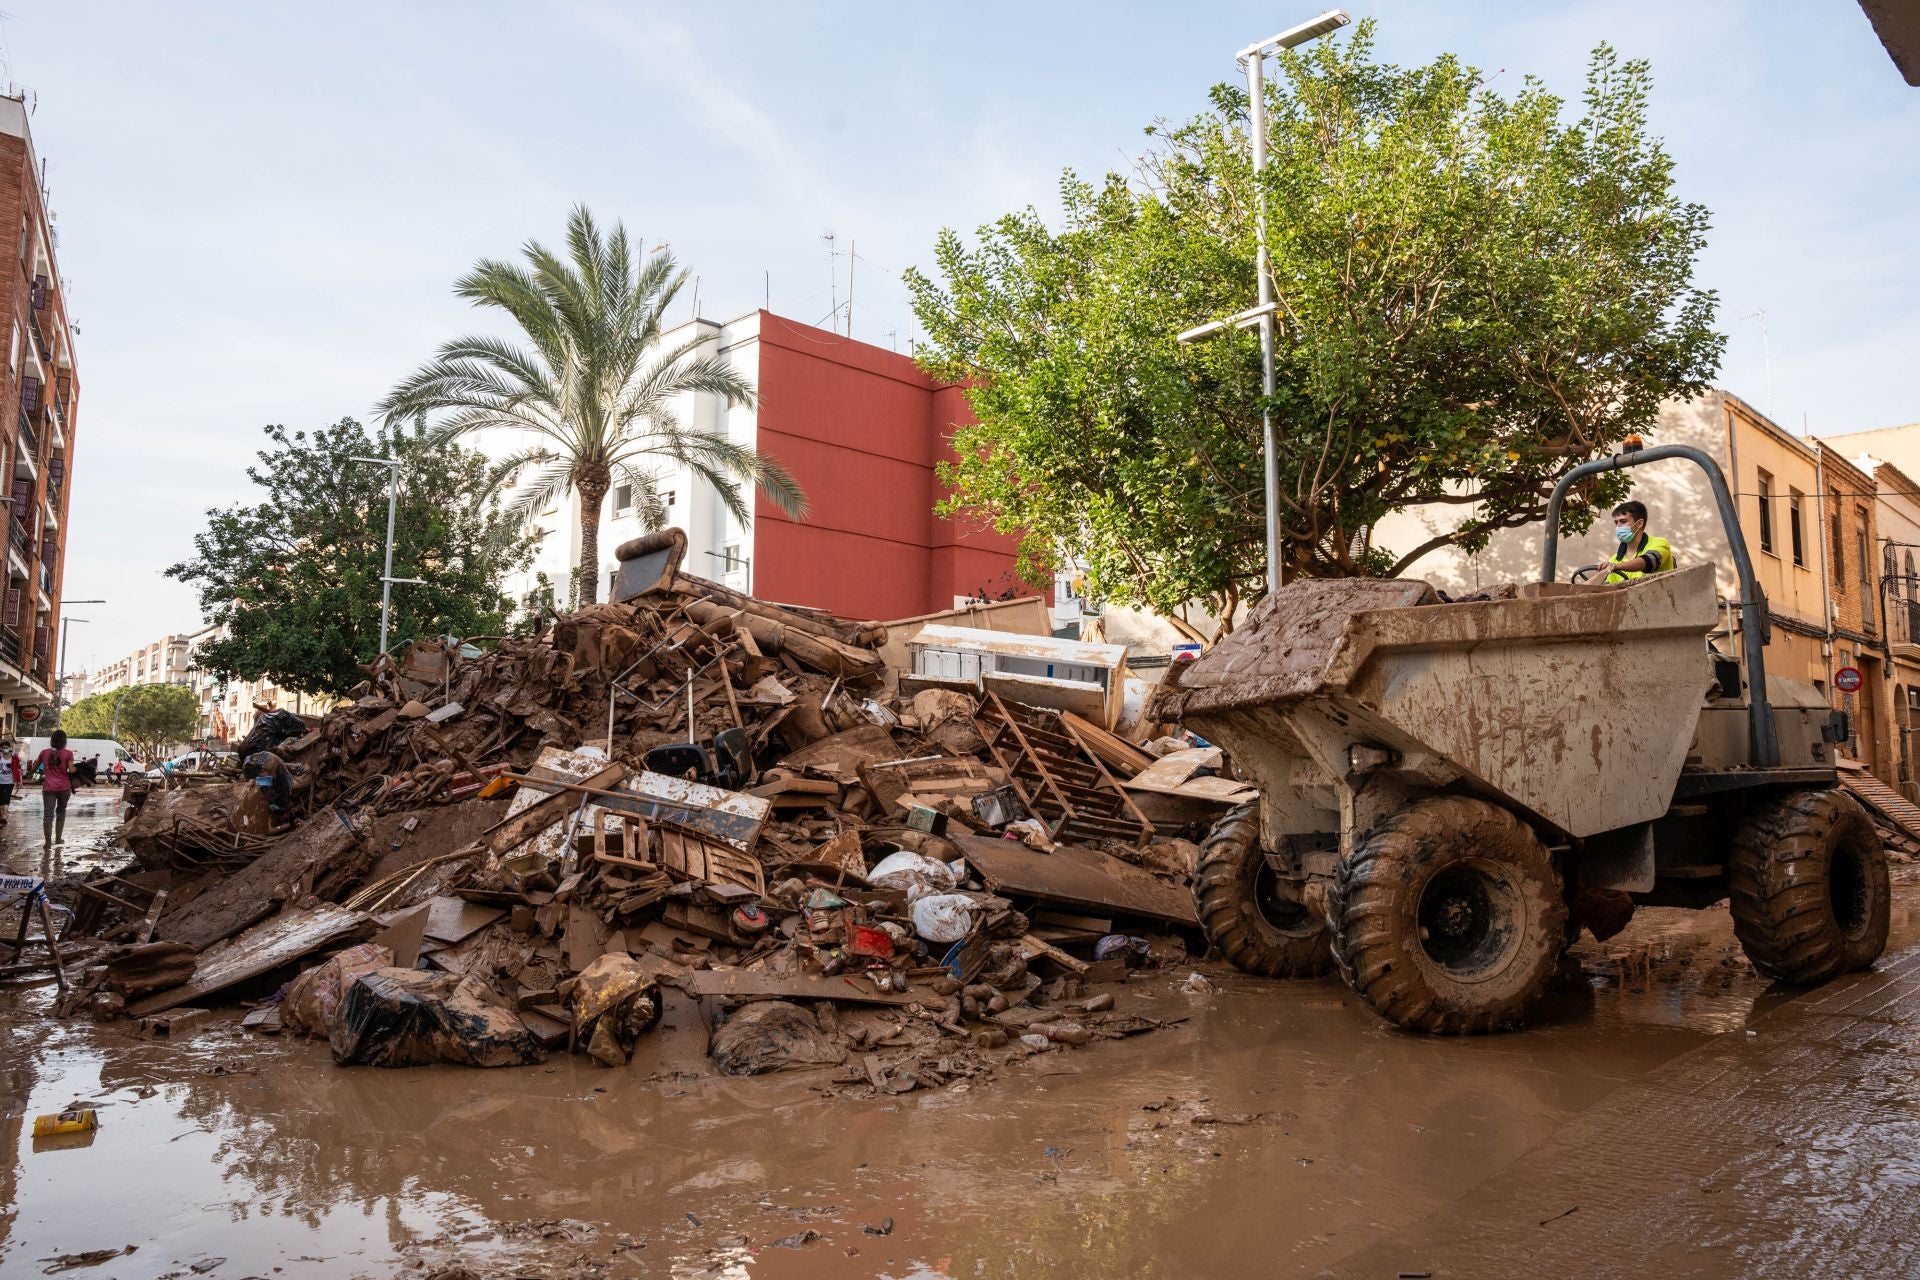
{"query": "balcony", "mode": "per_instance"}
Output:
(10, 645)
(26, 463)
(56, 429)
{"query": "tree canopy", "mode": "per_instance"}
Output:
(295, 577)
(151, 718)
(598, 393)
(1475, 295)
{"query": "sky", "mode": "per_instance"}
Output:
(261, 208)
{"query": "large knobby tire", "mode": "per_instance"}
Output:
(1807, 883)
(1244, 909)
(1449, 918)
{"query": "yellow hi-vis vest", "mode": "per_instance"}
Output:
(1659, 548)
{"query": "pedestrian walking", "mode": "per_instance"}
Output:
(9, 776)
(56, 788)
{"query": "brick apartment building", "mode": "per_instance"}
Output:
(39, 394)
(862, 429)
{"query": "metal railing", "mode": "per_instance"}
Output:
(29, 438)
(22, 537)
(10, 646)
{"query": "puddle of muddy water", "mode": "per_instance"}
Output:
(1276, 1131)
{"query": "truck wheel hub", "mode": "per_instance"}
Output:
(1467, 920)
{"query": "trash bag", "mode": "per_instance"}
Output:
(912, 873)
(613, 1002)
(409, 1018)
(944, 917)
(315, 995)
(270, 730)
(772, 1035)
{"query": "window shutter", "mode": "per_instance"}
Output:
(13, 606)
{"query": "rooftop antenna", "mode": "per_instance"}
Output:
(833, 276)
(1766, 351)
(852, 256)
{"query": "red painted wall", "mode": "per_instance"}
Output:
(862, 429)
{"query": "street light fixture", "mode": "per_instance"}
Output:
(60, 685)
(387, 580)
(1254, 59)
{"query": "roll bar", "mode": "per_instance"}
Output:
(1755, 628)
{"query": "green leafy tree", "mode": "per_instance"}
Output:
(295, 577)
(596, 390)
(1474, 295)
(149, 718)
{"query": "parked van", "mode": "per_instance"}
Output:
(106, 748)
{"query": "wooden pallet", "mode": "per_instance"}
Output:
(1058, 779)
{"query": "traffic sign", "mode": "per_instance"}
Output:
(1848, 679)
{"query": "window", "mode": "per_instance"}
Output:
(622, 499)
(1860, 545)
(1794, 498)
(730, 556)
(1833, 540)
(1766, 513)
(666, 498)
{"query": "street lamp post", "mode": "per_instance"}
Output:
(60, 684)
(387, 580)
(1254, 59)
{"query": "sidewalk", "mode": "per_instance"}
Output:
(1789, 1149)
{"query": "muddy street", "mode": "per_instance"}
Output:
(1279, 1129)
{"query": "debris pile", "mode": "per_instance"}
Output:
(686, 810)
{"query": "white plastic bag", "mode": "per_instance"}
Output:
(911, 873)
(944, 917)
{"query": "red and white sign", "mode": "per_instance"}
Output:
(1848, 679)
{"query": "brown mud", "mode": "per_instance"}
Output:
(1280, 1130)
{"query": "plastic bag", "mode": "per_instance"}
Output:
(612, 1002)
(409, 1018)
(314, 997)
(772, 1035)
(943, 917)
(912, 874)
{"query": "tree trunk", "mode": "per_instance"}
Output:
(593, 491)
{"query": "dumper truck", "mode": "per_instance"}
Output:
(1451, 790)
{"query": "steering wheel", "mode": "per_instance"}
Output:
(1583, 572)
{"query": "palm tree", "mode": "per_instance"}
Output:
(596, 391)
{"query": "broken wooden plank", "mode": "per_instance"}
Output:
(406, 931)
(282, 940)
(453, 920)
(1075, 876)
(586, 939)
(323, 854)
(1177, 774)
(1114, 751)
(1035, 949)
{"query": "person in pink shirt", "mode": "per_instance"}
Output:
(56, 787)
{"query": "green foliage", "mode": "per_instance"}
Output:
(597, 390)
(295, 578)
(1474, 296)
(151, 717)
